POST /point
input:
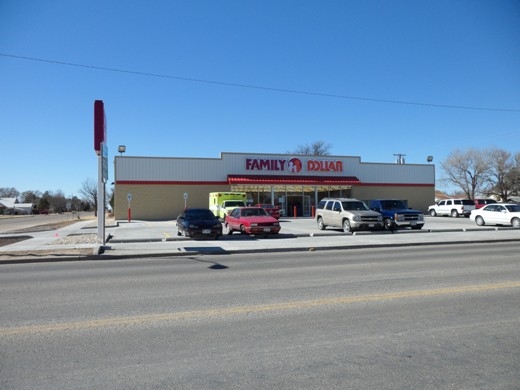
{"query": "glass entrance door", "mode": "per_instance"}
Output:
(306, 206)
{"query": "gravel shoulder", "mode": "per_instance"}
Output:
(73, 239)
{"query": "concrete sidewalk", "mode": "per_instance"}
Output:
(125, 239)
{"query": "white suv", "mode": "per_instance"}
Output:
(453, 207)
(348, 214)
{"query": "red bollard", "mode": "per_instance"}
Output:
(313, 211)
(294, 209)
(129, 214)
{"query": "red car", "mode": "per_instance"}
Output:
(479, 203)
(273, 211)
(251, 220)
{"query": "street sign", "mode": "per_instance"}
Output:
(105, 162)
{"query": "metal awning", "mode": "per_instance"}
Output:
(264, 183)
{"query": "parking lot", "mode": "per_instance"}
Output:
(291, 227)
(159, 238)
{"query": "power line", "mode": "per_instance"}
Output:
(227, 84)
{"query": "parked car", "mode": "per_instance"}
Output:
(199, 222)
(273, 211)
(251, 220)
(348, 214)
(479, 203)
(396, 214)
(497, 214)
(453, 207)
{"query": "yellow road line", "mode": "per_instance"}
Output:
(221, 312)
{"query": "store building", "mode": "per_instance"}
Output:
(158, 188)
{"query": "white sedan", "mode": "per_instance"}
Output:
(497, 214)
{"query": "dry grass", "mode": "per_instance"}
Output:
(38, 228)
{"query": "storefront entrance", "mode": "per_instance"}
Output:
(298, 206)
(293, 201)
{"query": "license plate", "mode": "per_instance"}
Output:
(414, 223)
(370, 225)
(267, 229)
(206, 231)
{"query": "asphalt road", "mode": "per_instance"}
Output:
(20, 222)
(393, 318)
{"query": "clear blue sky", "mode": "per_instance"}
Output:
(197, 78)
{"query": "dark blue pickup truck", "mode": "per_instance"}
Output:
(396, 214)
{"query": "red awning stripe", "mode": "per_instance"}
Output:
(291, 180)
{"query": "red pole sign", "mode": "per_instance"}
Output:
(100, 126)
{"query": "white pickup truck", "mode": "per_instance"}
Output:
(453, 207)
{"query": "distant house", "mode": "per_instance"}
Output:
(13, 207)
(439, 195)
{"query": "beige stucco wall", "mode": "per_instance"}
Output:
(165, 202)
(419, 197)
(160, 202)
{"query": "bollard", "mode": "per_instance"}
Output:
(294, 211)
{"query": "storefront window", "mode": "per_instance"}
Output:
(293, 200)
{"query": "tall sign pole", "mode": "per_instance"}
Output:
(100, 147)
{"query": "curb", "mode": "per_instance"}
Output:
(103, 255)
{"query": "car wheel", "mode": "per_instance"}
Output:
(480, 221)
(515, 222)
(242, 229)
(388, 224)
(321, 225)
(454, 213)
(433, 213)
(346, 226)
(179, 233)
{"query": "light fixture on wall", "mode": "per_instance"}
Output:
(121, 149)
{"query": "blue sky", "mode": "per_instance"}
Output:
(197, 78)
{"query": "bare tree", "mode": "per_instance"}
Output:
(58, 201)
(89, 191)
(468, 170)
(504, 174)
(317, 148)
(76, 204)
(31, 196)
(9, 192)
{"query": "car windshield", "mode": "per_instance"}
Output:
(199, 214)
(354, 206)
(514, 208)
(233, 203)
(259, 212)
(393, 204)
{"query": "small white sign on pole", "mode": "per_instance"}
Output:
(129, 197)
